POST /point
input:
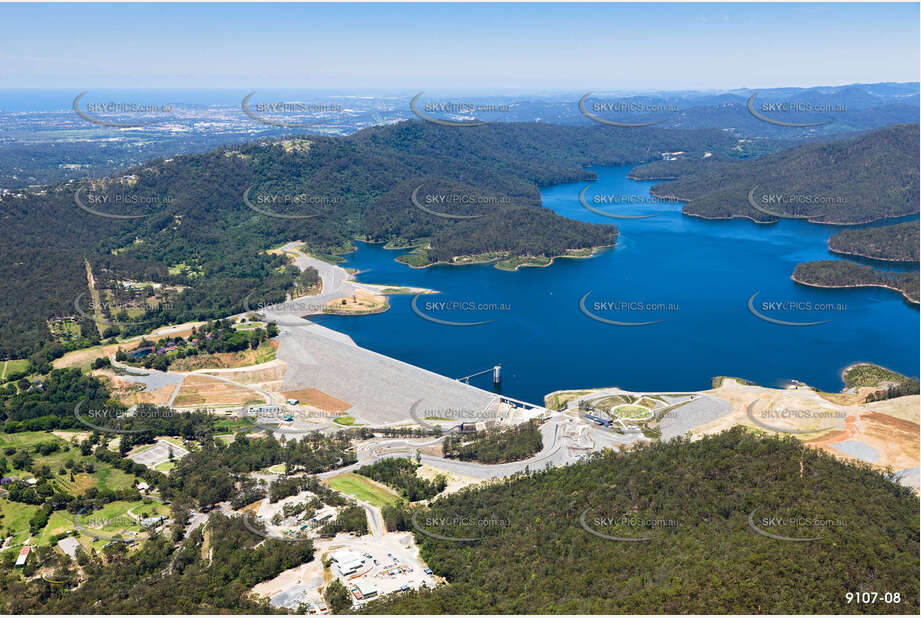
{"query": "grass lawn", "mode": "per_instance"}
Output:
(174, 441)
(232, 425)
(345, 420)
(25, 438)
(249, 325)
(558, 400)
(141, 449)
(12, 366)
(165, 467)
(611, 401)
(363, 489)
(104, 476)
(60, 521)
(631, 412)
(277, 469)
(16, 517)
(265, 352)
(115, 519)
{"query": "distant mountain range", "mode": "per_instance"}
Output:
(51, 143)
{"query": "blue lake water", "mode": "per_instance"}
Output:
(693, 277)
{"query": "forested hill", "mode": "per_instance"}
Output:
(198, 232)
(897, 242)
(845, 274)
(700, 506)
(865, 178)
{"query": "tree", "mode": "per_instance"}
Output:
(338, 597)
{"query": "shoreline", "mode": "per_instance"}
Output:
(594, 251)
(812, 219)
(858, 285)
(857, 364)
(870, 257)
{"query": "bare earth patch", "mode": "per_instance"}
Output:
(131, 393)
(456, 482)
(198, 390)
(318, 399)
(888, 427)
(221, 360)
(359, 303)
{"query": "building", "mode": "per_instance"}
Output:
(367, 590)
(266, 409)
(347, 561)
(69, 546)
(152, 521)
(321, 517)
(23, 555)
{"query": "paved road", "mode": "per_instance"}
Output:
(699, 410)
(556, 451)
(375, 519)
(337, 282)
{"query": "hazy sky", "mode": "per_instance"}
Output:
(465, 46)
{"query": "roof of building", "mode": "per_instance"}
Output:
(69, 546)
(23, 554)
(366, 588)
(350, 566)
(345, 555)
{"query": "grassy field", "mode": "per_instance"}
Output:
(165, 467)
(265, 352)
(557, 401)
(16, 518)
(116, 519)
(112, 519)
(344, 420)
(631, 412)
(364, 489)
(277, 469)
(104, 476)
(12, 366)
(172, 440)
(515, 263)
(612, 401)
(232, 425)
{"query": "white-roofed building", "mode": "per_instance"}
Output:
(347, 561)
(366, 589)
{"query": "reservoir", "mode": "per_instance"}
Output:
(683, 282)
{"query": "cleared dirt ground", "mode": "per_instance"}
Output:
(130, 393)
(199, 390)
(888, 427)
(318, 399)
